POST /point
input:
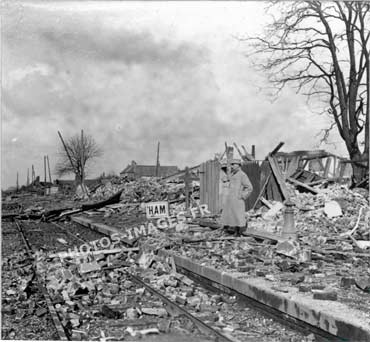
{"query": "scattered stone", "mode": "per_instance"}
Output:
(280, 289)
(108, 312)
(288, 248)
(164, 325)
(304, 288)
(89, 267)
(260, 273)
(181, 300)
(20, 314)
(132, 313)
(332, 209)
(246, 268)
(154, 312)
(363, 284)
(325, 295)
(270, 277)
(208, 308)
(346, 282)
(317, 286)
(127, 284)
(193, 301)
(41, 311)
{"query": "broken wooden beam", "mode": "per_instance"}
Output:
(303, 185)
(278, 176)
(277, 148)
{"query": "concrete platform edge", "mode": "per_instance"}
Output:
(346, 329)
(331, 323)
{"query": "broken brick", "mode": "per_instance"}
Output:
(193, 301)
(164, 325)
(317, 287)
(208, 308)
(154, 312)
(304, 288)
(89, 267)
(325, 295)
(346, 282)
(181, 300)
(246, 268)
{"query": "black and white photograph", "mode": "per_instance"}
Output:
(185, 171)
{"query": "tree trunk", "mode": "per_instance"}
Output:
(359, 172)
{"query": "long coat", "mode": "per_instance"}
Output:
(233, 194)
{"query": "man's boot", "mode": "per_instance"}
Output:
(237, 231)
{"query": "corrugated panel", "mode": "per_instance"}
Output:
(209, 185)
(253, 171)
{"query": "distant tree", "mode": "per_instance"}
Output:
(75, 155)
(322, 49)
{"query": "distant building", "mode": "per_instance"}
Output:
(134, 170)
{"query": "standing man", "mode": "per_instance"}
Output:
(235, 188)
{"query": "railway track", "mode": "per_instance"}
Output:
(137, 308)
(201, 333)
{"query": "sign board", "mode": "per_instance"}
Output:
(156, 210)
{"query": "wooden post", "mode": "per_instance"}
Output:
(277, 148)
(327, 167)
(69, 156)
(254, 151)
(157, 164)
(187, 188)
(229, 156)
(82, 159)
(45, 169)
(47, 158)
(249, 156)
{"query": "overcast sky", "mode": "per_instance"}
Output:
(132, 74)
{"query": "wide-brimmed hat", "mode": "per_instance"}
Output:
(223, 163)
(235, 161)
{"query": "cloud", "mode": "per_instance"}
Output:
(130, 87)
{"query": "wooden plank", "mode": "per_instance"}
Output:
(217, 187)
(276, 149)
(279, 178)
(342, 167)
(293, 165)
(249, 156)
(275, 188)
(327, 167)
(303, 185)
(209, 183)
(206, 177)
(265, 202)
(211, 204)
(253, 171)
(265, 171)
(262, 190)
(261, 234)
(269, 193)
(201, 177)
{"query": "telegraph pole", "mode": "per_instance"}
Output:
(47, 159)
(45, 169)
(157, 165)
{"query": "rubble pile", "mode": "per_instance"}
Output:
(24, 311)
(333, 211)
(147, 189)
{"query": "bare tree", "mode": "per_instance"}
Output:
(76, 153)
(322, 49)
